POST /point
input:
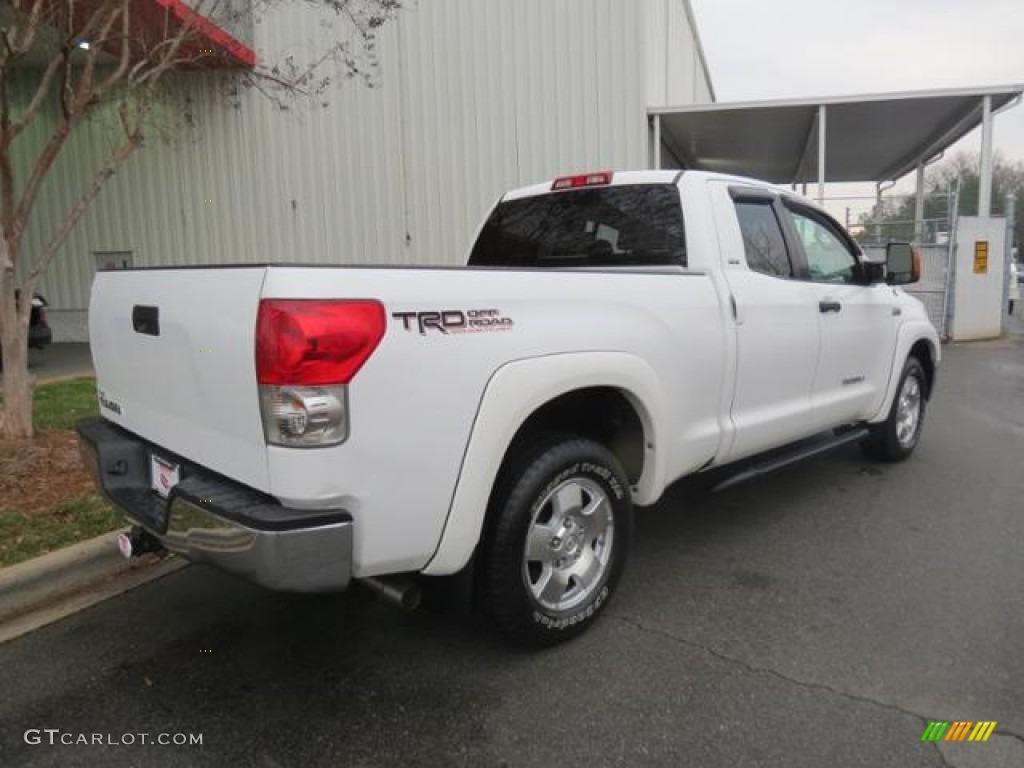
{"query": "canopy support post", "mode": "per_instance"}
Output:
(919, 205)
(656, 160)
(985, 182)
(821, 154)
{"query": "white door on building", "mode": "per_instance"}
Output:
(980, 278)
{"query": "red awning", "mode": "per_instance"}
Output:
(209, 46)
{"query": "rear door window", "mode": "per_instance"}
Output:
(763, 242)
(626, 226)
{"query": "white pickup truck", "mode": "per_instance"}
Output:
(304, 426)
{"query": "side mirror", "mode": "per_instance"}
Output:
(872, 271)
(902, 264)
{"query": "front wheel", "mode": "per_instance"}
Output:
(896, 437)
(558, 532)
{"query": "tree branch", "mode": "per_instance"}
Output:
(5, 112)
(22, 46)
(66, 92)
(308, 73)
(256, 76)
(169, 60)
(88, 30)
(122, 66)
(37, 100)
(39, 171)
(147, 63)
(53, 66)
(6, 167)
(46, 255)
(8, 51)
(6, 197)
(85, 77)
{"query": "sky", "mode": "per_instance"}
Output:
(775, 49)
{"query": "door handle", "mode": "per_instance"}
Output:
(829, 306)
(146, 320)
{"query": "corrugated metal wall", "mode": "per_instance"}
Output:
(676, 72)
(473, 97)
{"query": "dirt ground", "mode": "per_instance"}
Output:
(38, 474)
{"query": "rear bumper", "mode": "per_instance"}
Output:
(208, 518)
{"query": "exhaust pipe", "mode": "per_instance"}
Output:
(403, 591)
(137, 542)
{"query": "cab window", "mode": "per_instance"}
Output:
(829, 257)
(763, 243)
(622, 226)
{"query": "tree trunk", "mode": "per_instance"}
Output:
(16, 410)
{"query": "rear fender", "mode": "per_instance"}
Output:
(514, 392)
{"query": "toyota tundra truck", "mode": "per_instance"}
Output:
(307, 426)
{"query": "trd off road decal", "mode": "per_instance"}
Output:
(449, 321)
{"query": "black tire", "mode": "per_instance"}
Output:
(545, 490)
(890, 440)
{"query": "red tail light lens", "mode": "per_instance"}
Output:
(309, 342)
(584, 180)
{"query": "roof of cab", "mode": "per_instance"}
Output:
(623, 178)
(619, 178)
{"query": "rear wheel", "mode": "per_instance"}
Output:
(559, 528)
(896, 437)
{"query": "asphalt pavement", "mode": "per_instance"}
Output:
(64, 360)
(821, 616)
(60, 361)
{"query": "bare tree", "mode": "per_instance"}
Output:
(894, 218)
(74, 57)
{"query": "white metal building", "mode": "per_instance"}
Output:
(473, 97)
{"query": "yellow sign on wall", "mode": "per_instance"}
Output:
(981, 257)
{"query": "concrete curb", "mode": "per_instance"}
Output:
(59, 572)
(76, 576)
(85, 374)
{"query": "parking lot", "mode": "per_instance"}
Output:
(820, 616)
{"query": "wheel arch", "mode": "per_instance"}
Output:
(607, 415)
(923, 351)
(918, 340)
(554, 394)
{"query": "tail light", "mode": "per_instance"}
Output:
(584, 180)
(307, 351)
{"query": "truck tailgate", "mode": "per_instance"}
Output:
(174, 357)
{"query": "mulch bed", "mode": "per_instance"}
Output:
(39, 473)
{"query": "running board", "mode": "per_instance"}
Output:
(792, 456)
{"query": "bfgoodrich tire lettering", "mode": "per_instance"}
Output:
(559, 527)
(896, 437)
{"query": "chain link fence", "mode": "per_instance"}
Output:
(876, 221)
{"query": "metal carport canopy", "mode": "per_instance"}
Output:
(867, 138)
